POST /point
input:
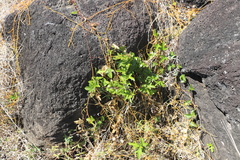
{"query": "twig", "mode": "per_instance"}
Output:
(230, 136)
(11, 119)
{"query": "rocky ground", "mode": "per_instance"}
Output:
(14, 143)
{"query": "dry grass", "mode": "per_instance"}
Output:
(159, 122)
(13, 142)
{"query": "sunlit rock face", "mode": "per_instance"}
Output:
(209, 51)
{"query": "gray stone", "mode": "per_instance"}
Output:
(55, 74)
(194, 3)
(209, 51)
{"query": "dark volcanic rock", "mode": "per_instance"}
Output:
(209, 50)
(54, 74)
(194, 3)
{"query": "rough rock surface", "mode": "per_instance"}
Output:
(194, 3)
(209, 50)
(54, 74)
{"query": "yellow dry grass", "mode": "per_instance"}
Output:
(13, 142)
(9, 70)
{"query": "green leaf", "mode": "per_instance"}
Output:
(161, 83)
(110, 75)
(90, 120)
(99, 122)
(191, 88)
(171, 66)
(105, 82)
(14, 97)
(74, 13)
(101, 72)
(147, 89)
(156, 119)
(172, 55)
(68, 139)
(163, 46)
(193, 124)
(122, 48)
(160, 70)
(151, 55)
(179, 66)
(154, 64)
(210, 147)
(188, 102)
(93, 84)
(191, 115)
(90, 89)
(188, 116)
(139, 147)
(102, 118)
(135, 145)
(156, 47)
(163, 58)
(139, 152)
(144, 144)
(183, 78)
(155, 34)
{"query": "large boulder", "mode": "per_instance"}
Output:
(209, 51)
(55, 74)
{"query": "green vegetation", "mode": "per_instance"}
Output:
(192, 115)
(135, 115)
(139, 147)
(13, 97)
(210, 147)
(74, 13)
(126, 75)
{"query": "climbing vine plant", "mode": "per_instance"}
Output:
(124, 76)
